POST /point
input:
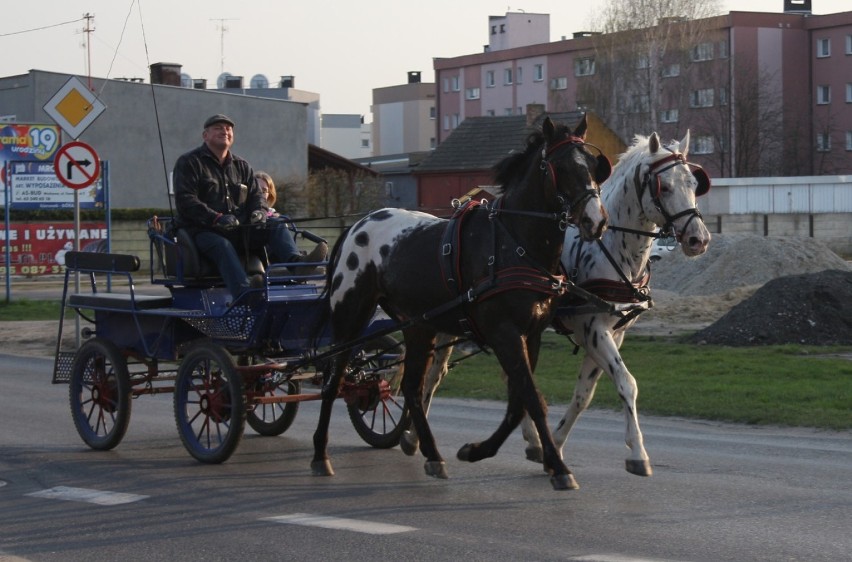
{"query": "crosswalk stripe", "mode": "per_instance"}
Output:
(339, 523)
(98, 497)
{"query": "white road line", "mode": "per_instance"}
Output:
(340, 523)
(614, 558)
(98, 497)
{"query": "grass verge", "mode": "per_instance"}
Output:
(25, 309)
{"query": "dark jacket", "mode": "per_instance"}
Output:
(205, 189)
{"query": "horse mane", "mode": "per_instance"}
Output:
(511, 169)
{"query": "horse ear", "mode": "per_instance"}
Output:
(580, 131)
(654, 143)
(548, 128)
(684, 145)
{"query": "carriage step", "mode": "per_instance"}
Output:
(118, 301)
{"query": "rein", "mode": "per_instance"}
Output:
(547, 167)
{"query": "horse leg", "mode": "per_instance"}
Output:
(518, 358)
(419, 344)
(604, 352)
(320, 464)
(434, 376)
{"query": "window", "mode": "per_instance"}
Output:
(471, 94)
(508, 111)
(507, 76)
(642, 62)
(848, 92)
(388, 189)
(723, 96)
(702, 51)
(701, 98)
(489, 79)
(823, 95)
(446, 122)
(559, 83)
(849, 44)
(432, 143)
(701, 145)
(446, 85)
(671, 70)
(640, 103)
(455, 84)
(490, 113)
(584, 66)
(723, 49)
(519, 75)
(848, 140)
(823, 142)
(493, 30)
(365, 143)
(823, 48)
(433, 112)
(669, 116)
(455, 120)
(538, 72)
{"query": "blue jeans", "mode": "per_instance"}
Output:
(223, 248)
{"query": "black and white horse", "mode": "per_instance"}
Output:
(492, 273)
(652, 187)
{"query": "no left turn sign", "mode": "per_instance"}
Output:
(77, 165)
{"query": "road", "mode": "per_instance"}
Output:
(719, 492)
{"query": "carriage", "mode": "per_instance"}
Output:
(226, 363)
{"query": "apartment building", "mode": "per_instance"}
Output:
(404, 117)
(761, 93)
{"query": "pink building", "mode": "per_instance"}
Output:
(761, 93)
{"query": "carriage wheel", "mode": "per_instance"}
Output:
(210, 407)
(381, 419)
(99, 393)
(274, 419)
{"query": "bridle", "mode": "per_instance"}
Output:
(569, 208)
(652, 182)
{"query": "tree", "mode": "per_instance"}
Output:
(334, 193)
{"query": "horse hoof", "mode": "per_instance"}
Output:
(408, 443)
(535, 454)
(639, 468)
(322, 468)
(564, 482)
(438, 469)
(464, 453)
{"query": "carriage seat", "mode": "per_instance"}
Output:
(197, 269)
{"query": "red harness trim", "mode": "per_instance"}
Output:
(611, 290)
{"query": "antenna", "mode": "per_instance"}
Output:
(88, 31)
(222, 30)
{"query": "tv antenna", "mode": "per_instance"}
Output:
(222, 29)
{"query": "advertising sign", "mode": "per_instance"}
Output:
(26, 142)
(39, 248)
(34, 185)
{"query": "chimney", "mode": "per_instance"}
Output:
(797, 7)
(534, 111)
(414, 77)
(287, 82)
(165, 73)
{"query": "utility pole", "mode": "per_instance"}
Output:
(90, 20)
(222, 30)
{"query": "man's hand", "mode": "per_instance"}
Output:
(257, 217)
(227, 221)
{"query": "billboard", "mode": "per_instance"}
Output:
(34, 185)
(26, 142)
(39, 248)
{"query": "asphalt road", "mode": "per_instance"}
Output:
(719, 492)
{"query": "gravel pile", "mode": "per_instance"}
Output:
(801, 292)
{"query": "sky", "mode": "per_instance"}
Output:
(340, 49)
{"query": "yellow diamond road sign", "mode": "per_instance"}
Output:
(74, 107)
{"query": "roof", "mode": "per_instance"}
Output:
(479, 143)
(320, 159)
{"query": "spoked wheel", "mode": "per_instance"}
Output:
(100, 394)
(276, 417)
(378, 409)
(209, 404)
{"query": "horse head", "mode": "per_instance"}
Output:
(576, 175)
(667, 185)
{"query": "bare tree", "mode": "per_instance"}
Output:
(337, 193)
(641, 43)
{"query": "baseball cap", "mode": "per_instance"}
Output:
(218, 118)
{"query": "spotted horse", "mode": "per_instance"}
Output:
(502, 293)
(651, 193)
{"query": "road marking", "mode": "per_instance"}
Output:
(339, 523)
(98, 497)
(614, 558)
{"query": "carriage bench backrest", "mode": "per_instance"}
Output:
(179, 259)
